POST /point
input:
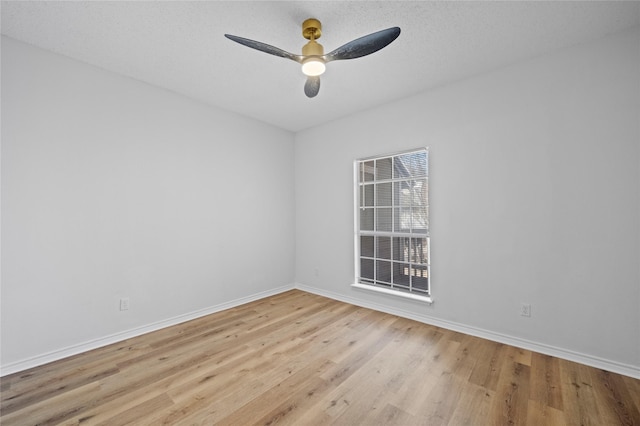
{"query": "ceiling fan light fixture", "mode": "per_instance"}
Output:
(313, 66)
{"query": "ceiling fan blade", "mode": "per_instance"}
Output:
(364, 46)
(263, 47)
(312, 86)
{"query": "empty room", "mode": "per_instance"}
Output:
(314, 213)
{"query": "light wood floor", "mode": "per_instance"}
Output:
(301, 359)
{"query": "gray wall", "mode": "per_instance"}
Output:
(534, 198)
(113, 188)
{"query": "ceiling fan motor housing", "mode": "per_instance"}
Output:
(312, 48)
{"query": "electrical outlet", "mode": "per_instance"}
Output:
(124, 304)
(525, 309)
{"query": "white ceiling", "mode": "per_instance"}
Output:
(179, 45)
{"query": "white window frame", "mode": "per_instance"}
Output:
(381, 286)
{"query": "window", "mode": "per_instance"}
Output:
(392, 223)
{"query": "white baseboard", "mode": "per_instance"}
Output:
(613, 366)
(56, 355)
(604, 364)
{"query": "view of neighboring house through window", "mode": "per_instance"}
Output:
(392, 245)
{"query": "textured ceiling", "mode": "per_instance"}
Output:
(179, 45)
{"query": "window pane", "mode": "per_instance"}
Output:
(419, 220)
(367, 192)
(419, 278)
(383, 194)
(366, 219)
(418, 164)
(402, 193)
(383, 168)
(384, 248)
(401, 167)
(366, 171)
(401, 274)
(384, 220)
(419, 192)
(419, 251)
(401, 248)
(366, 268)
(366, 246)
(402, 220)
(383, 270)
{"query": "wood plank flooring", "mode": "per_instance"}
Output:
(301, 359)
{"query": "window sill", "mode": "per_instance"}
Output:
(404, 295)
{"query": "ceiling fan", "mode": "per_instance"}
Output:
(313, 58)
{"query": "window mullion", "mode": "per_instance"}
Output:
(392, 279)
(375, 220)
(411, 238)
